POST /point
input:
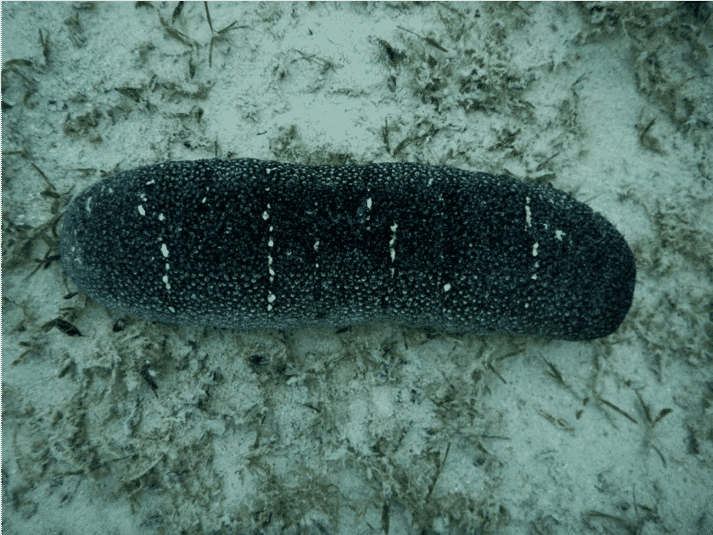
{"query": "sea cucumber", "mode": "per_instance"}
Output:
(258, 244)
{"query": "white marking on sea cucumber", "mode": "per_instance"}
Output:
(534, 249)
(164, 250)
(141, 210)
(161, 217)
(165, 280)
(150, 182)
(268, 171)
(265, 215)
(316, 245)
(559, 234)
(534, 277)
(271, 297)
(87, 207)
(269, 268)
(172, 309)
(447, 287)
(528, 213)
(270, 242)
(204, 200)
(368, 203)
(392, 249)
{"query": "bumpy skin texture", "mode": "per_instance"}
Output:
(250, 243)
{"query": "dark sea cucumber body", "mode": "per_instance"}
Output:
(249, 243)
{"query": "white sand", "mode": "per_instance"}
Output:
(317, 431)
